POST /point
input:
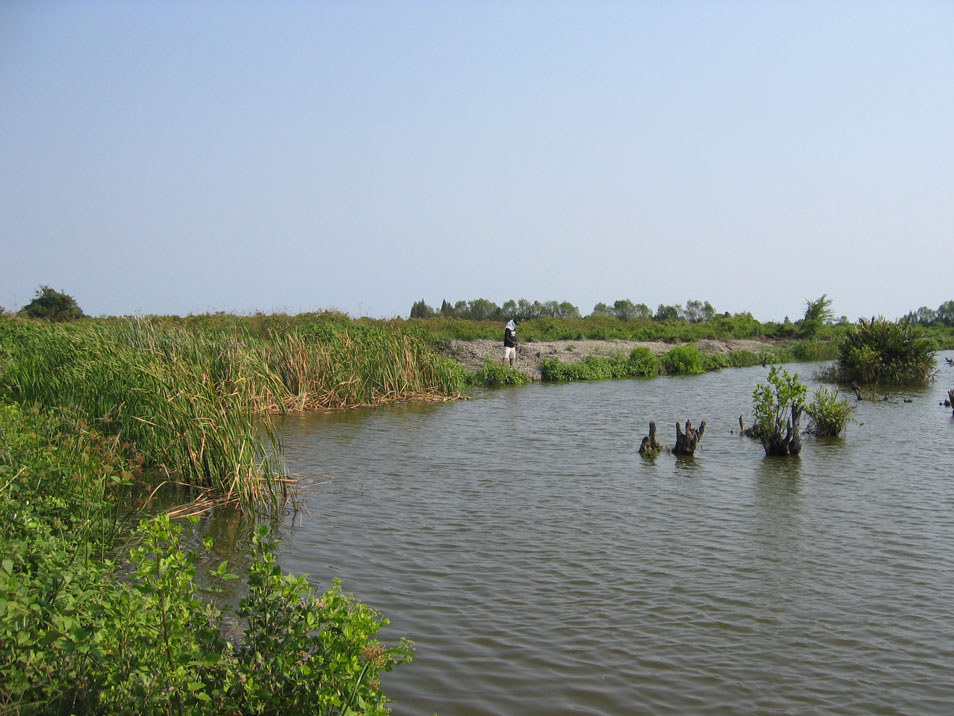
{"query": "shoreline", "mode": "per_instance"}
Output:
(473, 354)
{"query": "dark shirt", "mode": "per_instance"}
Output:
(510, 338)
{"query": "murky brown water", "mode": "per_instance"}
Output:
(543, 567)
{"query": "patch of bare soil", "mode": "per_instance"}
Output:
(473, 354)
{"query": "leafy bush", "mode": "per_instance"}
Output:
(778, 407)
(683, 360)
(829, 416)
(876, 351)
(639, 362)
(52, 305)
(493, 374)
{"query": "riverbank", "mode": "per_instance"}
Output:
(473, 354)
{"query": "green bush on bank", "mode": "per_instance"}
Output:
(683, 360)
(640, 362)
(493, 374)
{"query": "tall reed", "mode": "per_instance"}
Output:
(194, 402)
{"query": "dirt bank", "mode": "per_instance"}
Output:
(473, 354)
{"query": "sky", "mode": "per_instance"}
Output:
(188, 157)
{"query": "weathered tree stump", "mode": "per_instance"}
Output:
(950, 399)
(686, 442)
(650, 446)
(779, 445)
(752, 432)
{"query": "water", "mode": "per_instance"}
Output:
(542, 566)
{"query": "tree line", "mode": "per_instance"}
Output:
(944, 314)
(481, 309)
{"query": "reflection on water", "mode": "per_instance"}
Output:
(543, 567)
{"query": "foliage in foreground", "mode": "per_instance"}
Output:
(777, 409)
(879, 352)
(85, 632)
(829, 416)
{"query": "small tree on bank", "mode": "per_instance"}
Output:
(52, 305)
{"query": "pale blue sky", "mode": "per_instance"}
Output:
(184, 157)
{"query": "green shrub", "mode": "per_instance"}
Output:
(639, 362)
(777, 411)
(51, 305)
(642, 362)
(493, 374)
(876, 351)
(828, 415)
(683, 360)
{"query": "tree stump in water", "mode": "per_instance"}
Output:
(686, 441)
(779, 445)
(752, 432)
(650, 446)
(950, 396)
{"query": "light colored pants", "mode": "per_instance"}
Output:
(510, 353)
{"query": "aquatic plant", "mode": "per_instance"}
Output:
(828, 415)
(193, 402)
(878, 351)
(777, 411)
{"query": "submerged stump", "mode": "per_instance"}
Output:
(650, 446)
(752, 432)
(778, 444)
(686, 442)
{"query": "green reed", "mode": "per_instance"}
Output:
(194, 402)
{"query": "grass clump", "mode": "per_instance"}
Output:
(880, 352)
(828, 416)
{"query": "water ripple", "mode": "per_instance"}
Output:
(543, 567)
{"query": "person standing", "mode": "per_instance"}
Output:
(510, 341)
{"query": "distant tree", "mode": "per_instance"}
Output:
(568, 310)
(447, 310)
(697, 311)
(509, 309)
(422, 310)
(643, 311)
(924, 316)
(482, 309)
(52, 306)
(624, 309)
(945, 313)
(601, 309)
(817, 313)
(667, 313)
